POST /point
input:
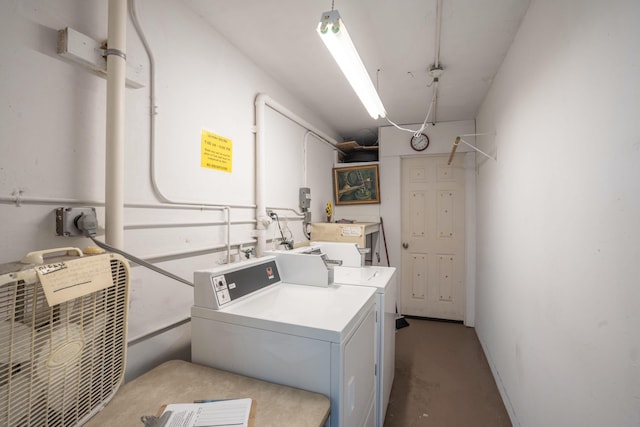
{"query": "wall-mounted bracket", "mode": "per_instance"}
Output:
(90, 53)
(459, 140)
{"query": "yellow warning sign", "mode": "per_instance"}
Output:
(216, 152)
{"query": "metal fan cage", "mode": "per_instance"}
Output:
(60, 365)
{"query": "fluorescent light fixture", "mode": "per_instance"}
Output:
(335, 36)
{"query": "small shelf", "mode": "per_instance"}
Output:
(355, 152)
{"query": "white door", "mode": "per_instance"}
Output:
(433, 254)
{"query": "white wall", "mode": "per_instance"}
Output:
(394, 145)
(558, 301)
(52, 133)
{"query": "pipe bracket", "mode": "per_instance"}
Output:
(116, 52)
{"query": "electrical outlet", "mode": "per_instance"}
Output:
(73, 221)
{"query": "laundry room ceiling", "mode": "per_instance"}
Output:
(396, 40)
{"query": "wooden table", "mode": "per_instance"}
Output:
(178, 381)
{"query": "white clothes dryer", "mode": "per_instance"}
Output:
(383, 280)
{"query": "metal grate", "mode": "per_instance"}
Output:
(60, 365)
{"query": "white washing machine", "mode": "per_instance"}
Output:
(383, 280)
(322, 339)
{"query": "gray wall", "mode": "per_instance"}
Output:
(558, 216)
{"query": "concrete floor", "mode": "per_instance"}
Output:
(442, 378)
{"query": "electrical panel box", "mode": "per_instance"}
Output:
(305, 198)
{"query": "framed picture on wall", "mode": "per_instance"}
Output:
(356, 185)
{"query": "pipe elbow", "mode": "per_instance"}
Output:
(262, 99)
(264, 221)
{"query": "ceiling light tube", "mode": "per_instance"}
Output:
(334, 34)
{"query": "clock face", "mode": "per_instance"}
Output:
(419, 142)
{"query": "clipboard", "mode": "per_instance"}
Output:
(188, 414)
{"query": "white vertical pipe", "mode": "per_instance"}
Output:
(262, 219)
(116, 73)
(436, 60)
(434, 100)
(305, 168)
(438, 32)
(227, 211)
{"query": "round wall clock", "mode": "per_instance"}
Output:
(419, 142)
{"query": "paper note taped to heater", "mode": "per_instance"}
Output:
(66, 280)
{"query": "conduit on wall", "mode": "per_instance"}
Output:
(226, 207)
(436, 71)
(116, 76)
(152, 125)
(262, 219)
(262, 100)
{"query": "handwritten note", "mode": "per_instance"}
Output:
(66, 280)
(348, 231)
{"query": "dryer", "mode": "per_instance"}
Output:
(383, 280)
(246, 320)
(347, 269)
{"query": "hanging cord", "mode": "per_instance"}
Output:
(306, 230)
(284, 241)
(424, 124)
(426, 119)
(88, 224)
(435, 80)
(287, 229)
(140, 262)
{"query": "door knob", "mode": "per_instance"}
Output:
(405, 245)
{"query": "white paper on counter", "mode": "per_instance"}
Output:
(221, 413)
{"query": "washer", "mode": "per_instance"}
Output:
(383, 280)
(322, 339)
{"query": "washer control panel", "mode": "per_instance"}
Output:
(217, 288)
(221, 289)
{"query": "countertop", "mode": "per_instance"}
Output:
(178, 381)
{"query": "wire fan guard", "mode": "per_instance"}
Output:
(59, 365)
